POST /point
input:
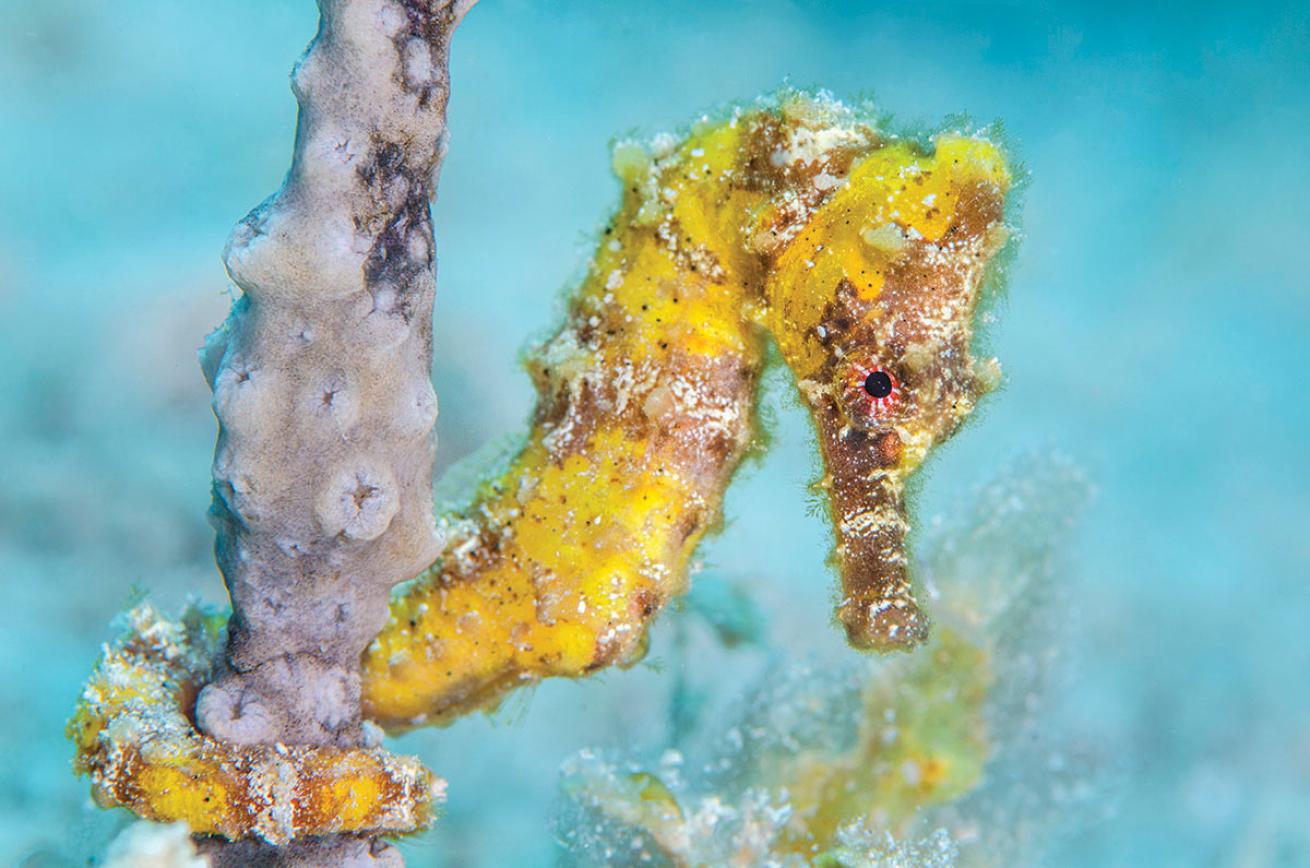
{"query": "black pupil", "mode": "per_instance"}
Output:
(878, 384)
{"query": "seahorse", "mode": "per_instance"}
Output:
(861, 255)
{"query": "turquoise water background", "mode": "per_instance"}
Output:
(1156, 331)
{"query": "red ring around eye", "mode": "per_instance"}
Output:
(873, 392)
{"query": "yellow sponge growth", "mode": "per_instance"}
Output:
(135, 739)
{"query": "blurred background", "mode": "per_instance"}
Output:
(1156, 331)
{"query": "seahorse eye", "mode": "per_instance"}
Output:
(872, 393)
(878, 384)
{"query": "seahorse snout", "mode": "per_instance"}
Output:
(877, 608)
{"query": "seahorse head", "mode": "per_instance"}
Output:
(863, 255)
(876, 250)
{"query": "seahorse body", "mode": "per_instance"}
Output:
(860, 254)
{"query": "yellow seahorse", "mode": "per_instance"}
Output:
(860, 254)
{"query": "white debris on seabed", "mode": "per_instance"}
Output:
(860, 846)
(618, 815)
(154, 845)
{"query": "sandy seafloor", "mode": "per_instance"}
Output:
(1155, 330)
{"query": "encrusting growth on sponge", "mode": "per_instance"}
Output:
(135, 740)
